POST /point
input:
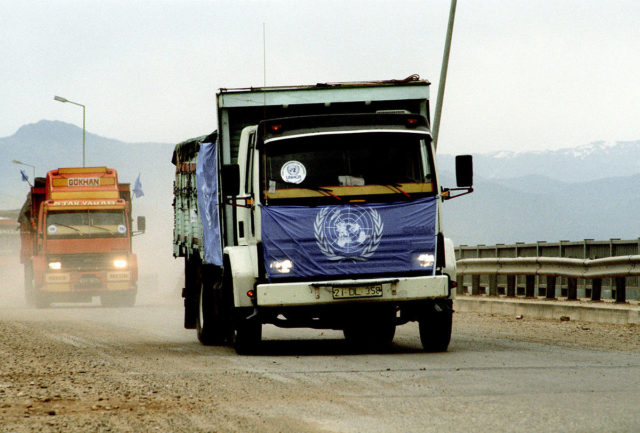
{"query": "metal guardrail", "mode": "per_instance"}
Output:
(617, 268)
(586, 249)
(609, 267)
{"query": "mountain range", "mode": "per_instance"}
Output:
(584, 192)
(52, 144)
(584, 163)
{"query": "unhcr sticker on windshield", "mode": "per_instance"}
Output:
(83, 181)
(293, 172)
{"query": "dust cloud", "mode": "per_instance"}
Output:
(160, 275)
(12, 281)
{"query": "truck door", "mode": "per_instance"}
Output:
(245, 222)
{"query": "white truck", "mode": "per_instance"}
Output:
(316, 206)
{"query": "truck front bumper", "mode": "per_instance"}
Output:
(344, 291)
(88, 281)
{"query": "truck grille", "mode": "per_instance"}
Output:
(85, 261)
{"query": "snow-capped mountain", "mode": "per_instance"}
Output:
(584, 163)
(586, 192)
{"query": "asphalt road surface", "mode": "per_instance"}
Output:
(82, 368)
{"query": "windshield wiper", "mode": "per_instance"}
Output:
(103, 228)
(69, 227)
(321, 189)
(395, 187)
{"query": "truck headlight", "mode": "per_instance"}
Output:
(54, 266)
(120, 263)
(426, 260)
(283, 266)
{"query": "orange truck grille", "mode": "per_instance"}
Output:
(86, 262)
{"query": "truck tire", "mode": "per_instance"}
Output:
(129, 299)
(191, 294)
(125, 298)
(372, 329)
(41, 299)
(247, 336)
(435, 329)
(213, 323)
(29, 291)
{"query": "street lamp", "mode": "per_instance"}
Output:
(15, 161)
(61, 99)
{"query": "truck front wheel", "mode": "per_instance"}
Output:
(247, 336)
(435, 328)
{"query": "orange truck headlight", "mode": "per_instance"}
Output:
(54, 266)
(120, 263)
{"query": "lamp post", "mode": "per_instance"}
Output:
(443, 74)
(15, 161)
(61, 99)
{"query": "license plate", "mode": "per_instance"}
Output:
(357, 292)
(88, 283)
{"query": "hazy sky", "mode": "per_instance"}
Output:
(523, 75)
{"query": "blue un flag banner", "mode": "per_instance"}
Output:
(367, 239)
(207, 187)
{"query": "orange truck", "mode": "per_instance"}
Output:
(76, 231)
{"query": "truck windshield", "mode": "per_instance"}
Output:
(86, 223)
(367, 163)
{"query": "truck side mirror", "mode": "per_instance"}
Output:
(142, 224)
(230, 179)
(464, 171)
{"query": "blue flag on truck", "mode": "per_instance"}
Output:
(207, 189)
(348, 240)
(25, 178)
(137, 188)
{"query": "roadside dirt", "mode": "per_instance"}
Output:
(568, 333)
(47, 385)
(51, 381)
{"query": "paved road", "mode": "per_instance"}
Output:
(87, 368)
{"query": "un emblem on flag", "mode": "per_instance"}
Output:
(348, 232)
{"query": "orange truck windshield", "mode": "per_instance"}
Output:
(86, 223)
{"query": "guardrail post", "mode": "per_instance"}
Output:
(621, 290)
(460, 285)
(493, 285)
(519, 289)
(511, 286)
(475, 285)
(596, 289)
(572, 289)
(551, 287)
(530, 286)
